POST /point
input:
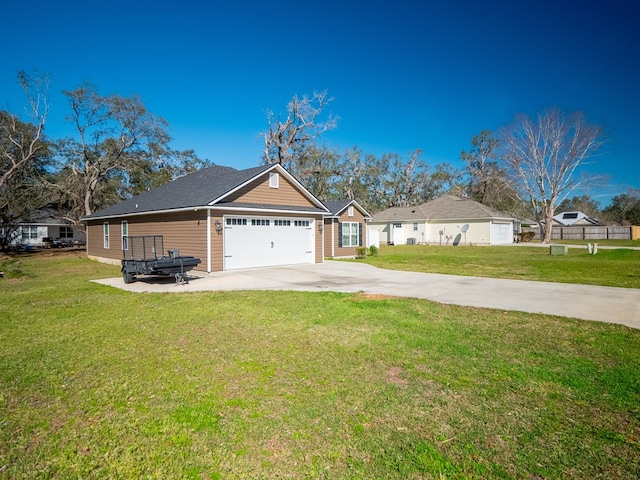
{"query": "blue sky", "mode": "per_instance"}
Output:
(404, 75)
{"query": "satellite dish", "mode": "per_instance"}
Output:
(464, 229)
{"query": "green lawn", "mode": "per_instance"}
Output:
(100, 383)
(605, 243)
(609, 267)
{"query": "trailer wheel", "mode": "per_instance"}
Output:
(128, 277)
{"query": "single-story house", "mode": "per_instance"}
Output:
(228, 218)
(45, 228)
(447, 220)
(574, 219)
(345, 228)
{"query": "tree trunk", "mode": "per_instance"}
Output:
(548, 223)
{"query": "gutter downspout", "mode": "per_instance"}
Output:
(333, 238)
(208, 240)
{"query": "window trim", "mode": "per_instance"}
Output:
(274, 180)
(124, 226)
(66, 231)
(29, 232)
(351, 235)
(105, 235)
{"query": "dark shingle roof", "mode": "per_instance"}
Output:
(338, 206)
(196, 189)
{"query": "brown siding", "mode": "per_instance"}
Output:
(346, 251)
(328, 229)
(319, 236)
(185, 231)
(259, 192)
(217, 263)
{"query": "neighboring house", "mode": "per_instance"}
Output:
(574, 219)
(446, 220)
(345, 228)
(44, 227)
(228, 218)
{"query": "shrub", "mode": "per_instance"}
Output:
(373, 251)
(527, 236)
(11, 268)
(361, 252)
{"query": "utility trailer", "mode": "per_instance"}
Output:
(144, 255)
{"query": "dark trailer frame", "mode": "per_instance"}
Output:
(144, 255)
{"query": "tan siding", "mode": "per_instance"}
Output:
(318, 237)
(95, 240)
(349, 251)
(329, 227)
(185, 231)
(216, 242)
(259, 192)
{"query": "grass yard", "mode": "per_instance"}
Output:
(602, 243)
(100, 383)
(610, 267)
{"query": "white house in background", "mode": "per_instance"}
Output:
(574, 219)
(448, 220)
(45, 227)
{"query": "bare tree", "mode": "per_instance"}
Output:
(287, 139)
(24, 152)
(544, 158)
(20, 143)
(115, 134)
(487, 182)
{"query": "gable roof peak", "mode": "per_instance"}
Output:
(336, 207)
(196, 189)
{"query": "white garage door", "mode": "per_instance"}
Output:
(267, 241)
(501, 233)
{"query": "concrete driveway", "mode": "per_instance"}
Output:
(603, 304)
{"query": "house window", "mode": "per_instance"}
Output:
(350, 234)
(30, 231)
(125, 234)
(350, 211)
(105, 234)
(397, 225)
(66, 232)
(415, 226)
(274, 180)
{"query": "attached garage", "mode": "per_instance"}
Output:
(230, 219)
(265, 241)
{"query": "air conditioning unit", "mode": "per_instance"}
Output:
(411, 241)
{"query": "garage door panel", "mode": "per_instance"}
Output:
(501, 233)
(257, 244)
